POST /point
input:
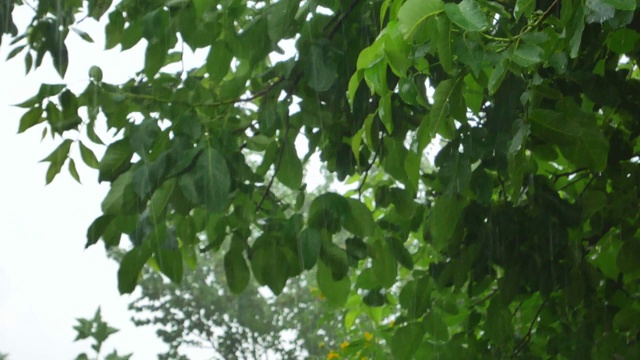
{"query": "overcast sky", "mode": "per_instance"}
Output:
(47, 279)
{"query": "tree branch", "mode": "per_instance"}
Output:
(527, 336)
(373, 161)
(341, 19)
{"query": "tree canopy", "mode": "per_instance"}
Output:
(519, 239)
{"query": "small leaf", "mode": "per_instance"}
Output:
(88, 156)
(73, 171)
(56, 159)
(212, 181)
(385, 112)
(524, 8)
(30, 118)
(82, 35)
(97, 8)
(130, 268)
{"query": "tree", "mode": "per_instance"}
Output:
(201, 312)
(520, 242)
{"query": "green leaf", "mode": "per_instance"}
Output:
(444, 43)
(270, 265)
(527, 55)
(120, 195)
(444, 217)
(97, 8)
(290, 171)
(211, 180)
(113, 30)
(385, 112)
(628, 5)
(623, 41)
(56, 159)
(320, 69)
(440, 119)
(400, 253)
(336, 292)
(524, 8)
(88, 156)
(83, 35)
(115, 160)
(236, 271)
(309, 244)
(383, 264)
(576, 134)
(154, 57)
(414, 12)
(73, 171)
(219, 61)
(397, 50)
(170, 263)
(436, 327)
(359, 220)
(406, 340)
(130, 268)
(497, 75)
(629, 256)
(498, 325)
(30, 118)
(467, 14)
(327, 211)
(97, 228)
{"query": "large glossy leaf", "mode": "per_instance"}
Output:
(467, 14)
(414, 12)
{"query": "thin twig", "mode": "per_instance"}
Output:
(373, 161)
(557, 176)
(294, 83)
(341, 19)
(527, 336)
(487, 297)
(253, 96)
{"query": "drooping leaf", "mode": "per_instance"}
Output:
(236, 271)
(130, 268)
(336, 292)
(309, 243)
(290, 171)
(444, 217)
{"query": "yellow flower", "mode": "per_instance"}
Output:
(344, 345)
(391, 323)
(363, 358)
(368, 336)
(333, 355)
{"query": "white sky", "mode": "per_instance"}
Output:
(47, 279)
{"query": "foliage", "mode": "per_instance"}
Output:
(521, 242)
(97, 330)
(201, 312)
